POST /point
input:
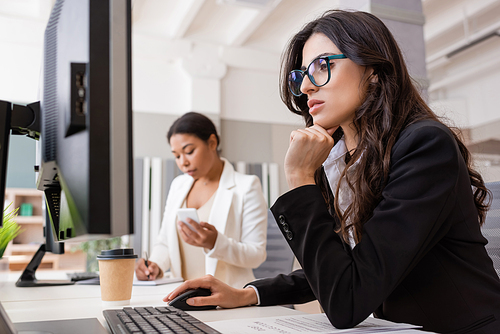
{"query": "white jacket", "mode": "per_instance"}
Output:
(239, 213)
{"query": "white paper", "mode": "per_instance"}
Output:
(159, 281)
(309, 323)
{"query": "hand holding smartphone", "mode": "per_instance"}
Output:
(185, 213)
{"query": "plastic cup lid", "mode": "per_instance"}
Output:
(117, 253)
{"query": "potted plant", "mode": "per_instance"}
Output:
(10, 228)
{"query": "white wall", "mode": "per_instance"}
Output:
(21, 42)
(237, 83)
(168, 94)
(253, 96)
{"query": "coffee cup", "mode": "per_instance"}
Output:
(116, 275)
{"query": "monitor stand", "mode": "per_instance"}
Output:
(28, 278)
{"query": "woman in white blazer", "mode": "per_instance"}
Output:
(230, 239)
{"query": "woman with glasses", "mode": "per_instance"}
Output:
(384, 208)
(230, 238)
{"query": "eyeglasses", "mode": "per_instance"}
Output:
(318, 72)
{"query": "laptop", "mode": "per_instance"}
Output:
(73, 326)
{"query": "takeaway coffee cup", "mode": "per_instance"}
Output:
(116, 275)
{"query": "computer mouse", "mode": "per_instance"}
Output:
(180, 301)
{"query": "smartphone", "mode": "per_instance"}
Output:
(185, 213)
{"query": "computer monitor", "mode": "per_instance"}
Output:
(86, 167)
(20, 120)
(5, 116)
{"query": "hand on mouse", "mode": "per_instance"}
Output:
(142, 272)
(223, 295)
(204, 235)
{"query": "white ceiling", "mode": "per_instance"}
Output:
(452, 25)
(264, 25)
(250, 28)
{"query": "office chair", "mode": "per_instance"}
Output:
(280, 257)
(491, 227)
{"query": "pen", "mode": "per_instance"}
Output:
(146, 260)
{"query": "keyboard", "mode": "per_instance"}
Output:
(160, 319)
(81, 276)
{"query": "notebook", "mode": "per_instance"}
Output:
(73, 326)
(159, 281)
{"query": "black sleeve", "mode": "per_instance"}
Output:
(284, 289)
(406, 224)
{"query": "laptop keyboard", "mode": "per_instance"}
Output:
(161, 319)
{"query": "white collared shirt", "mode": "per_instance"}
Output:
(334, 165)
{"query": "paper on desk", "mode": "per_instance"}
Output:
(159, 281)
(309, 323)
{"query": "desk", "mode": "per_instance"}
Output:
(84, 301)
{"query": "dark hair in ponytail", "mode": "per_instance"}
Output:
(195, 124)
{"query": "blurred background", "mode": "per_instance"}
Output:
(222, 58)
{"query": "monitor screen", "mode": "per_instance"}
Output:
(86, 166)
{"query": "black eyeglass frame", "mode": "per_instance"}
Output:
(311, 78)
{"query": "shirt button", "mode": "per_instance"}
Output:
(289, 235)
(286, 228)
(282, 219)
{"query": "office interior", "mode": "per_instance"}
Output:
(222, 58)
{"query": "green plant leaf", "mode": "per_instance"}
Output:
(10, 228)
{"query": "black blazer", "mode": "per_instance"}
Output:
(421, 259)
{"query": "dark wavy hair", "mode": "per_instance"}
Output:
(392, 103)
(193, 123)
